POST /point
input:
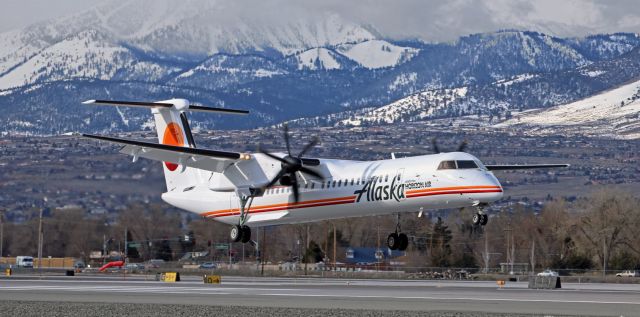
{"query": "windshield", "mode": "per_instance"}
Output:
(463, 164)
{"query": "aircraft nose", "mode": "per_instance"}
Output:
(496, 192)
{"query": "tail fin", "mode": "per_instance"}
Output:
(173, 128)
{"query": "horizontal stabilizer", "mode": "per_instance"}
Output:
(180, 104)
(523, 167)
(211, 160)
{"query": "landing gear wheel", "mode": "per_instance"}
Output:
(403, 242)
(476, 219)
(483, 220)
(393, 241)
(236, 233)
(246, 234)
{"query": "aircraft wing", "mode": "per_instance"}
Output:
(211, 160)
(523, 167)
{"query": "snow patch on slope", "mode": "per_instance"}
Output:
(377, 53)
(317, 58)
(412, 108)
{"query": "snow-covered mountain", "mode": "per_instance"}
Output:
(613, 113)
(285, 69)
(597, 99)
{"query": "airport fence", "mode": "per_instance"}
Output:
(289, 269)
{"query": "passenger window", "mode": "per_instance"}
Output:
(447, 165)
(313, 185)
(466, 164)
(334, 184)
(339, 183)
(322, 185)
(352, 182)
(386, 178)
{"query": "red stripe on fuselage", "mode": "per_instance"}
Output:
(351, 199)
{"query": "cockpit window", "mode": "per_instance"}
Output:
(447, 165)
(466, 164)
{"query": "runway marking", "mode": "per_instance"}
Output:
(226, 291)
(458, 298)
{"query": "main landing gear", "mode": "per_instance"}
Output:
(480, 218)
(242, 232)
(398, 241)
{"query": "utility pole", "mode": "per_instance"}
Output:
(264, 246)
(604, 258)
(104, 248)
(335, 241)
(1, 234)
(306, 259)
(40, 236)
(126, 244)
(486, 256)
(510, 248)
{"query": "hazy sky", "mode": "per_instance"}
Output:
(426, 19)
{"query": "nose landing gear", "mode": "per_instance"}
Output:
(480, 218)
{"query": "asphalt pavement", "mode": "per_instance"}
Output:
(470, 298)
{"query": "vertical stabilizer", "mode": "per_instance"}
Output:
(173, 129)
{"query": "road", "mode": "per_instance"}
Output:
(313, 293)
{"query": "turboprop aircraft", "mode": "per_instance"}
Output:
(258, 189)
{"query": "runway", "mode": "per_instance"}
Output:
(317, 293)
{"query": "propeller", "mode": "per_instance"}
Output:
(461, 148)
(290, 165)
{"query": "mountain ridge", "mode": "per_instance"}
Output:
(354, 70)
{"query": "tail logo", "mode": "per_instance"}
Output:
(172, 136)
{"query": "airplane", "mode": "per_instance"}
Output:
(258, 189)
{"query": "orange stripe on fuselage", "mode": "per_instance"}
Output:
(351, 199)
(439, 189)
(287, 205)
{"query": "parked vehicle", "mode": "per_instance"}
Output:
(24, 261)
(208, 265)
(155, 263)
(628, 273)
(132, 267)
(548, 273)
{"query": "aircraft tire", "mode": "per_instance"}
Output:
(476, 219)
(403, 242)
(483, 220)
(235, 234)
(246, 234)
(393, 241)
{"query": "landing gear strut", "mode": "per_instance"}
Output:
(242, 232)
(398, 241)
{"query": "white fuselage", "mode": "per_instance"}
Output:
(350, 189)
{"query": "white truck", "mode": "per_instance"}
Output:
(628, 274)
(24, 261)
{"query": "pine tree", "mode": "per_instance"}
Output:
(440, 247)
